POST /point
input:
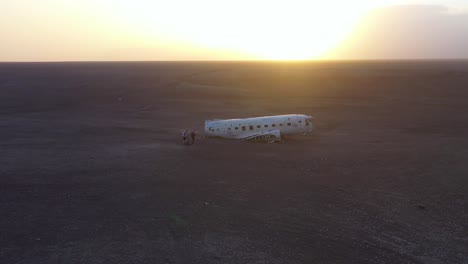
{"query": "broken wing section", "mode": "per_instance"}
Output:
(267, 136)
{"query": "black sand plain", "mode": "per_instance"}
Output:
(93, 171)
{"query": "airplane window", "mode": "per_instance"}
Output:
(236, 128)
(243, 128)
(300, 121)
(273, 125)
(266, 125)
(251, 127)
(258, 126)
(289, 124)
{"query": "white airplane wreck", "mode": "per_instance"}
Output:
(264, 128)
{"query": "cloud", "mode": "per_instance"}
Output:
(408, 32)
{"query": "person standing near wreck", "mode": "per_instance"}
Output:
(192, 135)
(184, 136)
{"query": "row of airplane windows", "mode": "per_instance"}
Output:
(244, 128)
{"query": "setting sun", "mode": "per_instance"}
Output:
(293, 30)
(147, 30)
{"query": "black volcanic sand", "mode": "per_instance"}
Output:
(93, 170)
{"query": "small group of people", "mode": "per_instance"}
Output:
(185, 137)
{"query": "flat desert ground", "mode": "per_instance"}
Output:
(92, 169)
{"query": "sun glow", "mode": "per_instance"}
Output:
(275, 30)
(179, 29)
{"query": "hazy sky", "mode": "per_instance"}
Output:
(82, 30)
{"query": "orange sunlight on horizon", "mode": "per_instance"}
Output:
(121, 30)
(271, 30)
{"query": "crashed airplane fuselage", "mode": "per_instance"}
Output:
(264, 128)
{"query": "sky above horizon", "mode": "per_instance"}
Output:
(142, 30)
